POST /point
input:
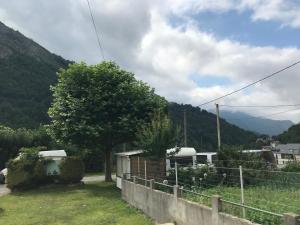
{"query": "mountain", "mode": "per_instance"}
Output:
(202, 132)
(256, 124)
(26, 72)
(292, 135)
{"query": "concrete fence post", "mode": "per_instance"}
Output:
(216, 208)
(134, 179)
(177, 191)
(152, 184)
(291, 219)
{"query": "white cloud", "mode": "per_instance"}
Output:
(287, 12)
(138, 36)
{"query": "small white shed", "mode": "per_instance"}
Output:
(124, 164)
(55, 156)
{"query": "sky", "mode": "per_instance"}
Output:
(190, 51)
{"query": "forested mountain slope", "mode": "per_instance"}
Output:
(26, 72)
(201, 128)
(292, 135)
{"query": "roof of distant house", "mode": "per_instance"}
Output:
(53, 153)
(293, 148)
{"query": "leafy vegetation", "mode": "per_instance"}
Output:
(71, 170)
(12, 140)
(292, 135)
(100, 107)
(157, 136)
(293, 166)
(93, 204)
(26, 72)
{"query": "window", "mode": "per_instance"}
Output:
(287, 156)
(202, 159)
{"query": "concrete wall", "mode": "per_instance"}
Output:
(164, 207)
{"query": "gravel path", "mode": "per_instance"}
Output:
(91, 179)
(4, 190)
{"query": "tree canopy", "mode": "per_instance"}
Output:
(100, 106)
(158, 136)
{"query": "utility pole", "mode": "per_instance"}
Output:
(218, 127)
(184, 127)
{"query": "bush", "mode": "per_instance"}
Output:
(292, 167)
(20, 174)
(71, 170)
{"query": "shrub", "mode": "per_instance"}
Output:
(20, 174)
(71, 170)
(40, 172)
(292, 167)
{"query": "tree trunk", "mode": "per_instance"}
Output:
(108, 166)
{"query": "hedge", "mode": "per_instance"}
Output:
(71, 170)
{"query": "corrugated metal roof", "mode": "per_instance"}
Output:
(293, 148)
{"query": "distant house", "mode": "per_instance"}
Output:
(55, 157)
(285, 153)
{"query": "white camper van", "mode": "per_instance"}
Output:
(185, 156)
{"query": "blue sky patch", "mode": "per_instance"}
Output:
(240, 27)
(209, 81)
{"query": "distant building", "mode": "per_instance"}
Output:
(285, 153)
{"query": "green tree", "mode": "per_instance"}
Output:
(100, 107)
(158, 136)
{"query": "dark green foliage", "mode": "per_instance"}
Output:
(292, 135)
(20, 174)
(99, 107)
(26, 72)
(233, 157)
(202, 132)
(71, 170)
(11, 140)
(292, 167)
(157, 136)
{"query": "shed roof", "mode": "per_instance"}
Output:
(135, 152)
(53, 153)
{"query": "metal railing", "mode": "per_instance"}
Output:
(206, 199)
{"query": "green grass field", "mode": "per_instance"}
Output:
(277, 200)
(89, 204)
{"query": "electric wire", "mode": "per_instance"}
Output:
(95, 29)
(251, 84)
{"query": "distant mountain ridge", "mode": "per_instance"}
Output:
(26, 72)
(202, 129)
(256, 124)
(292, 135)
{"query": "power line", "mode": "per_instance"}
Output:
(290, 110)
(265, 116)
(259, 106)
(251, 84)
(96, 31)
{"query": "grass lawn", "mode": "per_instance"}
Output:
(88, 204)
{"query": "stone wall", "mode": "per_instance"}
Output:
(164, 207)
